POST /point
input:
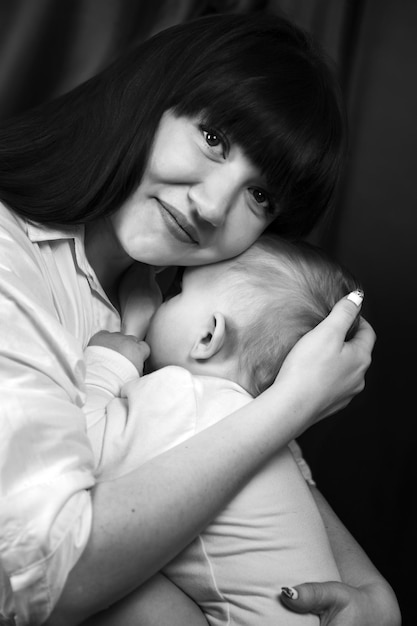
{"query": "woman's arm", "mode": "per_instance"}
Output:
(142, 520)
(365, 598)
(157, 602)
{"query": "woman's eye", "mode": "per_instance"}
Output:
(215, 140)
(262, 198)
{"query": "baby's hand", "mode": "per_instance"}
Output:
(127, 345)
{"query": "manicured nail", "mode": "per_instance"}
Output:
(290, 592)
(356, 297)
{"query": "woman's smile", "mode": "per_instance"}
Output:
(195, 203)
(178, 225)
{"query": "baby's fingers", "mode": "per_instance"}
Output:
(137, 353)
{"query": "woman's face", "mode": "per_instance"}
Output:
(200, 199)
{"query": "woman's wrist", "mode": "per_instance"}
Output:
(382, 602)
(289, 406)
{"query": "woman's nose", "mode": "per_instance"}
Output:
(212, 197)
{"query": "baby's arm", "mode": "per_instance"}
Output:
(112, 359)
(157, 603)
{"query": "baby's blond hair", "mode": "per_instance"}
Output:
(278, 291)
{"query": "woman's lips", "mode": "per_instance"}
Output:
(177, 223)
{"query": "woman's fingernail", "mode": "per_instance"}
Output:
(356, 297)
(290, 592)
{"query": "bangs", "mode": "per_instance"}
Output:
(239, 110)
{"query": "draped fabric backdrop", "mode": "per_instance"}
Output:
(362, 459)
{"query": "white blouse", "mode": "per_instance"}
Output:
(50, 305)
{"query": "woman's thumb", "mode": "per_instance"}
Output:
(313, 597)
(346, 310)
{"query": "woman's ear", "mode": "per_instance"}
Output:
(211, 339)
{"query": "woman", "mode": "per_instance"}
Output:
(182, 153)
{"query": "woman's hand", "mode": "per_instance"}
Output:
(339, 604)
(139, 297)
(325, 370)
(129, 346)
(364, 598)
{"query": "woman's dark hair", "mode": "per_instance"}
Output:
(256, 77)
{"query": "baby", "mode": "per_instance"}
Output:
(214, 345)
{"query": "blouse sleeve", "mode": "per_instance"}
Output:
(46, 459)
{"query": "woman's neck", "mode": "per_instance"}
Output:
(106, 256)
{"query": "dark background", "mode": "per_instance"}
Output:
(363, 458)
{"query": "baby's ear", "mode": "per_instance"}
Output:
(211, 338)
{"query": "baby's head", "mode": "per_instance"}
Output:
(239, 318)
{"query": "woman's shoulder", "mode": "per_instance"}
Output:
(14, 240)
(9, 219)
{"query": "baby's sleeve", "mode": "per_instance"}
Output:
(106, 373)
(153, 414)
